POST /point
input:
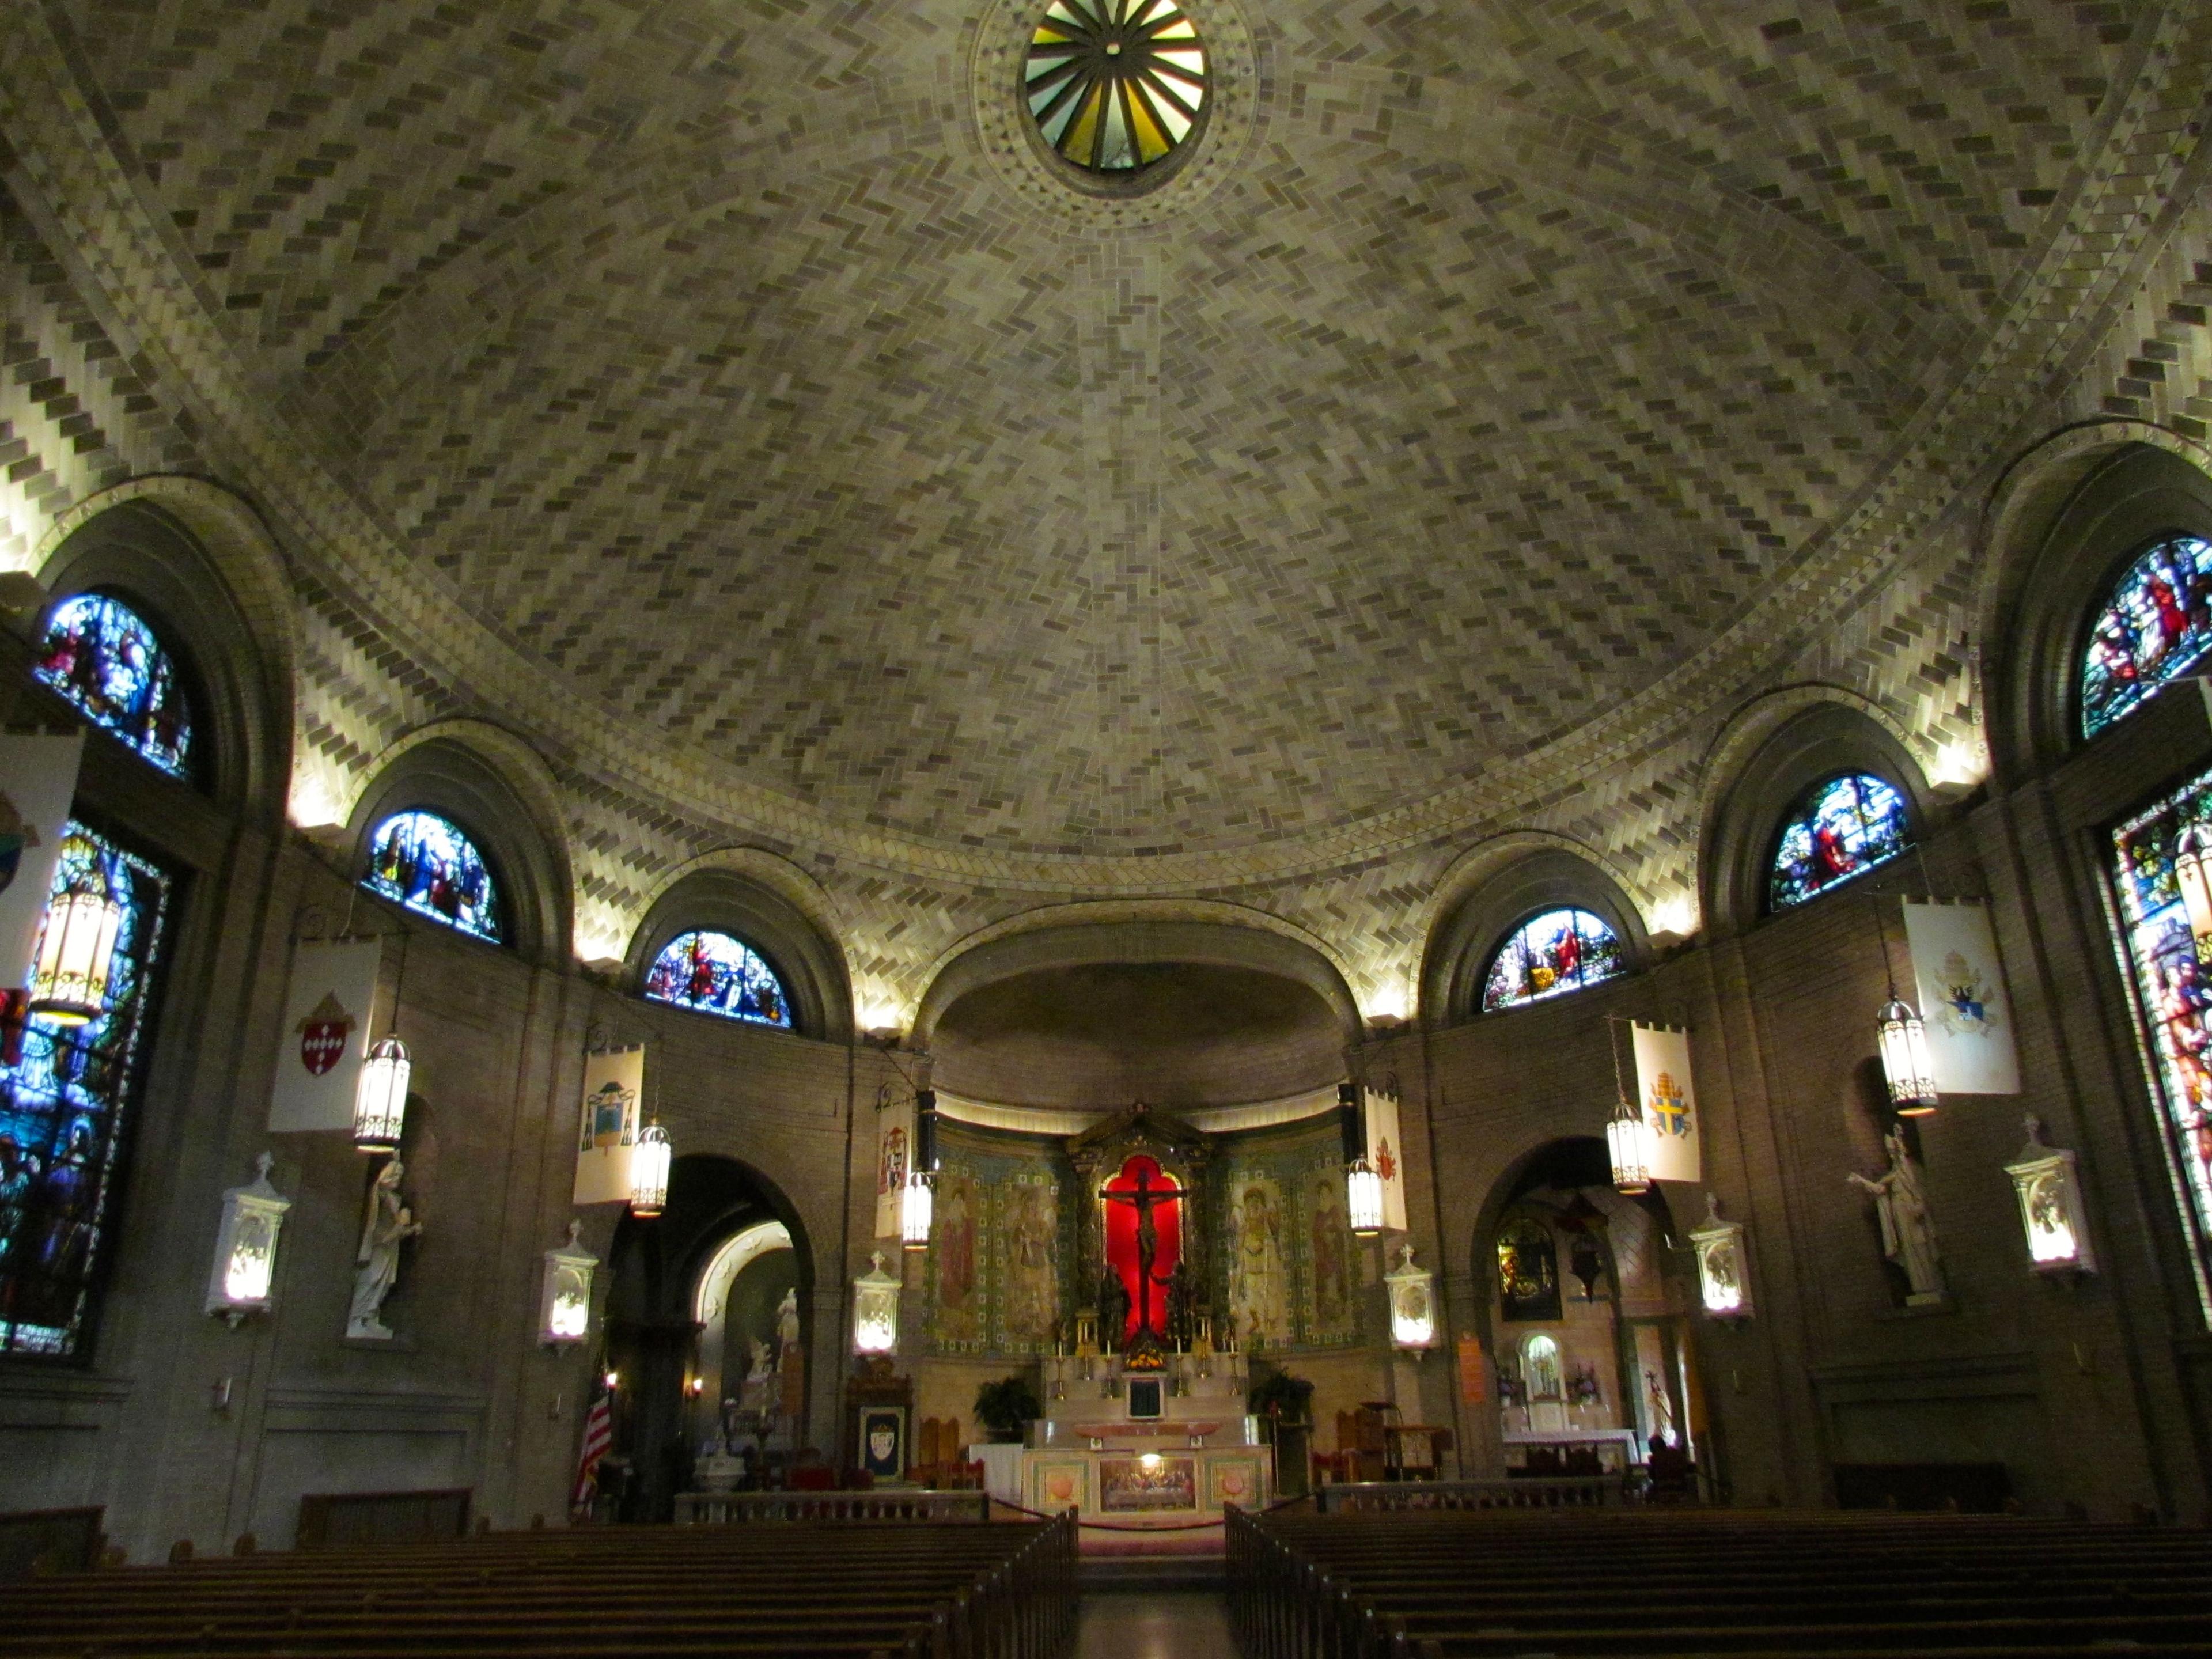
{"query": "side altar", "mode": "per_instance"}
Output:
(1145, 1419)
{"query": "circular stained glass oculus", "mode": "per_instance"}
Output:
(1115, 85)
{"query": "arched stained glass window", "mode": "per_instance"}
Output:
(1839, 830)
(716, 974)
(426, 863)
(1548, 955)
(66, 1091)
(2155, 626)
(103, 657)
(1115, 85)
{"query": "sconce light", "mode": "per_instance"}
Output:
(1413, 1303)
(875, 1309)
(1363, 1190)
(564, 1304)
(1723, 1281)
(76, 946)
(2049, 1187)
(648, 1172)
(244, 1270)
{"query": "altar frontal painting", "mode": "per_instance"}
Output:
(1147, 1484)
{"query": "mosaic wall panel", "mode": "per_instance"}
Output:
(1288, 1276)
(999, 1246)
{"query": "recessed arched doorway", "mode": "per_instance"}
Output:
(725, 1266)
(1588, 1307)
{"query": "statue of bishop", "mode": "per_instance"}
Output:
(1908, 1231)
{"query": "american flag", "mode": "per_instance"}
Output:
(599, 1436)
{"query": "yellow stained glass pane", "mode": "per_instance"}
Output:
(1152, 142)
(1082, 140)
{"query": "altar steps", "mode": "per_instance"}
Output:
(1132, 1563)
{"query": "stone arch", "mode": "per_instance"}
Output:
(1137, 930)
(197, 562)
(1771, 751)
(496, 788)
(2056, 532)
(1493, 888)
(773, 906)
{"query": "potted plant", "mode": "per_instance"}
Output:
(1006, 1407)
(1281, 1398)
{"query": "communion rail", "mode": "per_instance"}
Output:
(719, 1508)
(843, 1589)
(1660, 1584)
(1544, 1492)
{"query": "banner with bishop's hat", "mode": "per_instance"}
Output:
(325, 1034)
(1962, 998)
(1386, 1156)
(614, 1082)
(894, 1156)
(1670, 1102)
(38, 782)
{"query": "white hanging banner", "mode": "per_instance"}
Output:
(328, 1013)
(893, 1158)
(1386, 1156)
(614, 1082)
(38, 781)
(1670, 1102)
(1962, 998)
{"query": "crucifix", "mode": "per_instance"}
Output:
(1144, 1200)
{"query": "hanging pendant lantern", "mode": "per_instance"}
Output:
(380, 1100)
(1627, 1136)
(648, 1172)
(915, 1204)
(1363, 1192)
(1904, 1061)
(76, 946)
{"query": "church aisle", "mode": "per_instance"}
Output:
(1176, 1624)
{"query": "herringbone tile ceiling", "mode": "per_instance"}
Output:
(1508, 350)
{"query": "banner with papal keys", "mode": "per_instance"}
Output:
(1962, 998)
(1386, 1156)
(614, 1082)
(329, 1016)
(1669, 1101)
(38, 782)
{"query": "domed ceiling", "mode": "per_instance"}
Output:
(1487, 361)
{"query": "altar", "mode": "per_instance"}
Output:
(1138, 1446)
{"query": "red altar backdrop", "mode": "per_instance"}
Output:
(1122, 1236)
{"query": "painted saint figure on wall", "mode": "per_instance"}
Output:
(1031, 1231)
(1330, 1236)
(959, 1297)
(1259, 1298)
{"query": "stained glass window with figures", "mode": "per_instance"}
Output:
(1839, 829)
(2155, 627)
(103, 656)
(1548, 955)
(66, 1095)
(2160, 874)
(1527, 1270)
(716, 974)
(428, 863)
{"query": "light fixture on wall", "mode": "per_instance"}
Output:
(1904, 1041)
(2048, 1184)
(649, 1162)
(76, 946)
(1413, 1303)
(564, 1299)
(1627, 1136)
(1723, 1276)
(875, 1309)
(380, 1097)
(244, 1274)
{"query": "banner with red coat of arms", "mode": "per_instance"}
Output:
(38, 780)
(1386, 1156)
(325, 1034)
(1669, 1101)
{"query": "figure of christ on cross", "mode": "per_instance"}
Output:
(1143, 1198)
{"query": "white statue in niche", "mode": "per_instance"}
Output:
(1908, 1231)
(787, 1320)
(376, 1270)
